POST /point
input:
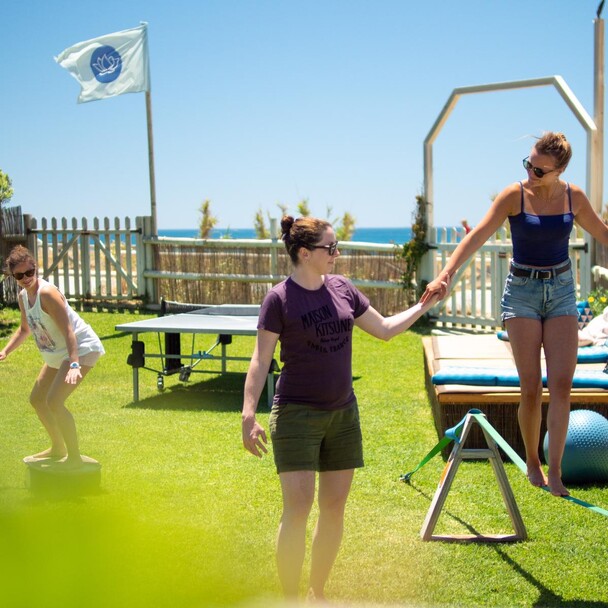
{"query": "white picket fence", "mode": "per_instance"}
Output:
(89, 261)
(120, 260)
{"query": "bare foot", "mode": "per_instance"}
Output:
(316, 598)
(48, 454)
(76, 462)
(556, 486)
(536, 476)
(88, 459)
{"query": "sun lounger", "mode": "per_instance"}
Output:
(451, 400)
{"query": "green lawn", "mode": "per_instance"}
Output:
(187, 518)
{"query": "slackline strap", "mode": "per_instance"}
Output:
(454, 433)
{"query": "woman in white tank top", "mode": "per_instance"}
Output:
(69, 348)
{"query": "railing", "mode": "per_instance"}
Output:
(216, 271)
(110, 260)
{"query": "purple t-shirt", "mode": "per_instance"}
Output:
(315, 330)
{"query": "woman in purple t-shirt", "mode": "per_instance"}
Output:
(314, 422)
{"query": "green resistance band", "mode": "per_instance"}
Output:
(454, 433)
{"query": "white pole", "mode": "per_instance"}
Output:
(154, 226)
(598, 104)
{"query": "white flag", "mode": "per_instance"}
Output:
(109, 65)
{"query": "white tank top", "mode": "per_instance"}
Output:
(49, 339)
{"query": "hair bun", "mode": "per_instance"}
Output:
(286, 224)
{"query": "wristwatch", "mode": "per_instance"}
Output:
(75, 365)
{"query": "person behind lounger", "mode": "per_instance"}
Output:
(314, 421)
(539, 299)
(69, 348)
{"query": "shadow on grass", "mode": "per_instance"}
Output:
(218, 393)
(547, 598)
(115, 335)
(221, 393)
(7, 327)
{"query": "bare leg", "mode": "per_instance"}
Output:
(560, 338)
(298, 494)
(48, 397)
(334, 487)
(525, 336)
(45, 415)
(58, 394)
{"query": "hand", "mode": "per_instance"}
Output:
(3, 355)
(437, 289)
(73, 375)
(431, 300)
(254, 437)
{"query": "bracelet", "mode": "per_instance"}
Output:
(75, 365)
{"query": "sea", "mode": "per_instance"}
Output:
(398, 236)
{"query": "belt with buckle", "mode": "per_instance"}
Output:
(538, 273)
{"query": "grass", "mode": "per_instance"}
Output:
(186, 518)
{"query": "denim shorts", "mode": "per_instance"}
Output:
(539, 298)
(306, 438)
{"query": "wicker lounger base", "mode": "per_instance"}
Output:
(450, 403)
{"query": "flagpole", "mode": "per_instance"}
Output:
(151, 164)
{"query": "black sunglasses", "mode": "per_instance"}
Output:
(28, 273)
(528, 166)
(331, 248)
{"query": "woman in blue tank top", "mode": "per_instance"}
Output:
(539, 298)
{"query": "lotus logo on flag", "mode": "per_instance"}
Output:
(106, 63)
(109, 65)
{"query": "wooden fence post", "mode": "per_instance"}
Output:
(150, 256)
(140, 256)
(274, 263)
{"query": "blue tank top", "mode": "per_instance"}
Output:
(541, 240)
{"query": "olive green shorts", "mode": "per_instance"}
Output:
(306, 438)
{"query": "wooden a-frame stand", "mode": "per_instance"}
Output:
(458, 454)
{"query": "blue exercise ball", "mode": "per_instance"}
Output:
(586, 451)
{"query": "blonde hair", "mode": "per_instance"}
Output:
(556, 145)
(301, 232)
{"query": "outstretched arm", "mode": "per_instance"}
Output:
(385, 328)
(504, 204)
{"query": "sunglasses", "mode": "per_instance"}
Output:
(331, 248)
(28, 273)
(528, 166)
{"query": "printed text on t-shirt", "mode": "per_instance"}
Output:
(324, 324)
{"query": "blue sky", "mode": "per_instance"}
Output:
(263, 102)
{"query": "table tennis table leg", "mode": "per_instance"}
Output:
(135, 377)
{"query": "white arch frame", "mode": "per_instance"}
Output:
(593, 128)
(564, 90)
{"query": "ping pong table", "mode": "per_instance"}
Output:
(224, 320)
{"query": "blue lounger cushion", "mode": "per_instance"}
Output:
(592, 354)
(488, 376)
(477, 376)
